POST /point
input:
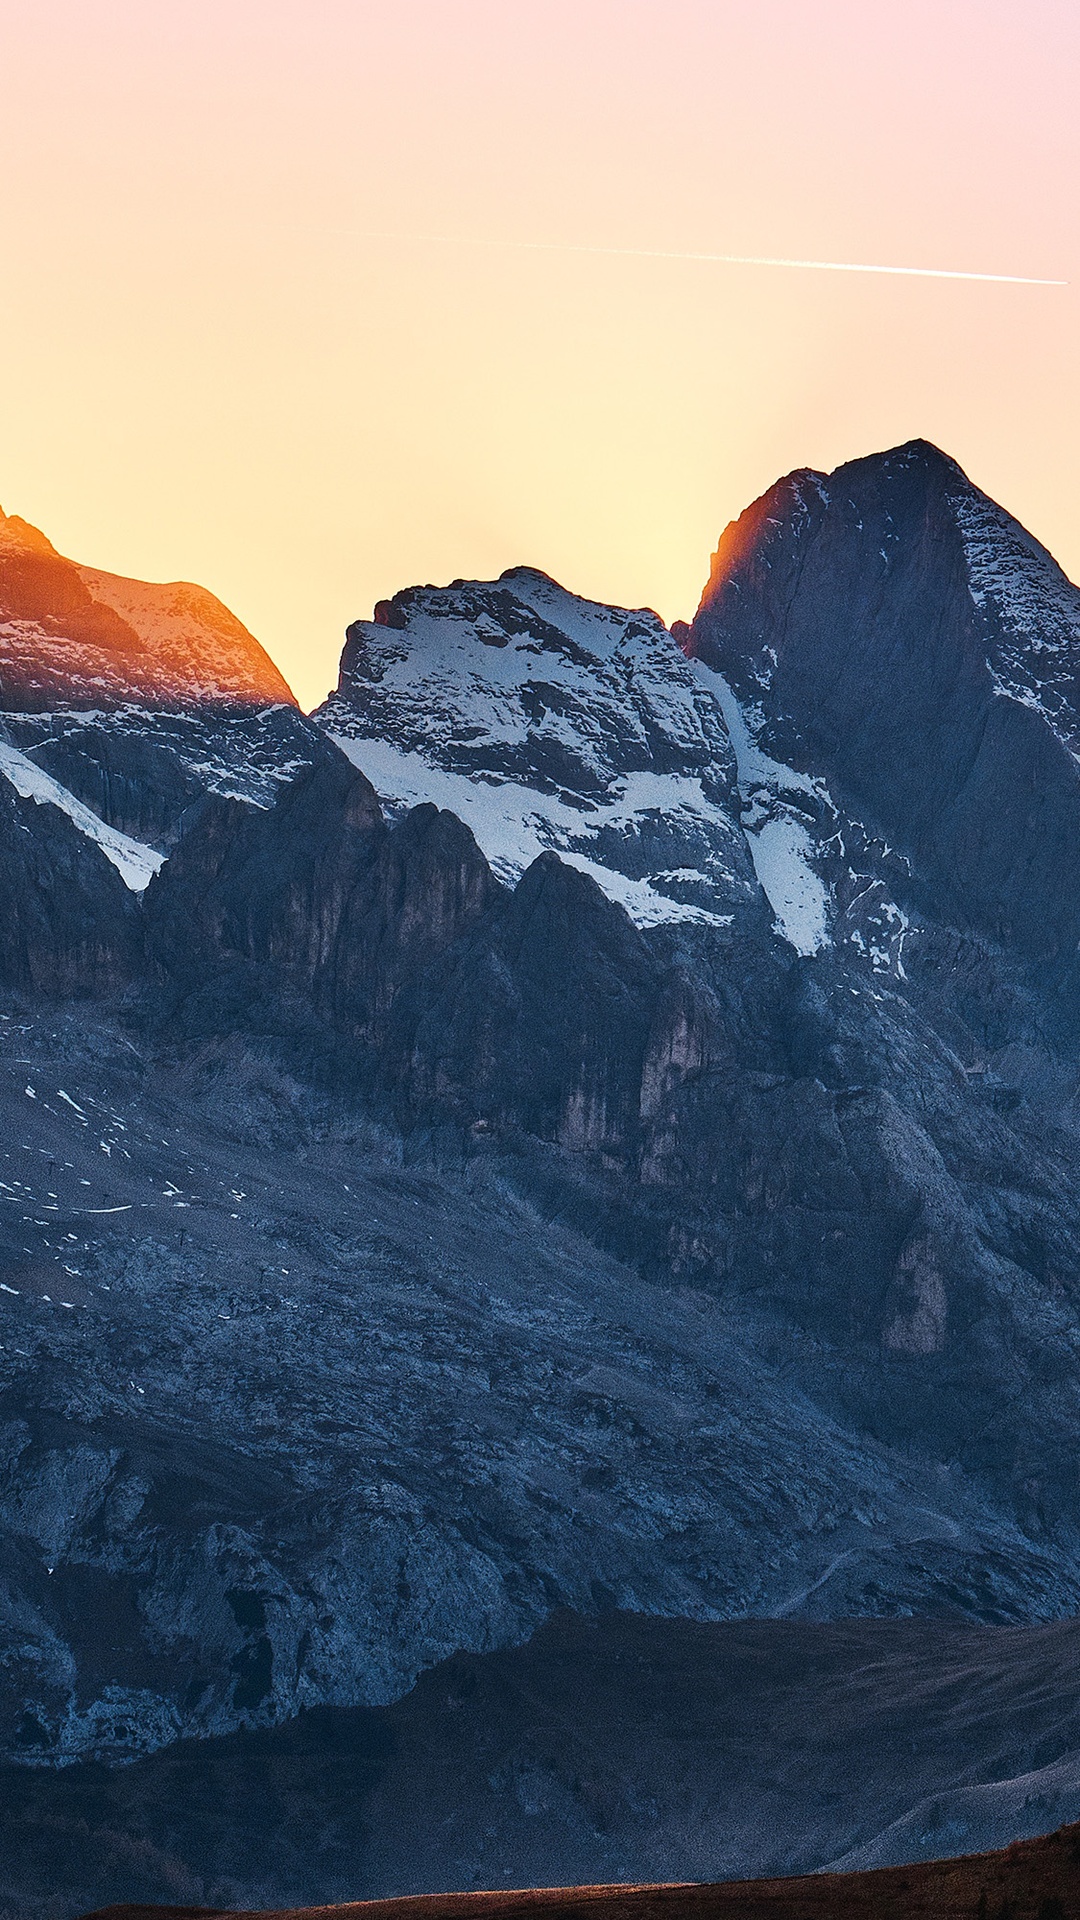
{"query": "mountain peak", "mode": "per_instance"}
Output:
(914, 462)
(901, 636)
(75, 637)
(18, 536)
(909, 453)
(548, 721)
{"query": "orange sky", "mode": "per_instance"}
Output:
(231, 355)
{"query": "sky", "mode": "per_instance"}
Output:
(299, 300)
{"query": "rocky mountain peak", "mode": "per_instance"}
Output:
(904, 642)
(18, 536)
(76, 637)
(549, 721)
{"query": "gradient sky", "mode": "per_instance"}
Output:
(234, 353)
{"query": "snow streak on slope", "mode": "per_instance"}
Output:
(1030, 608)
(142, 768)
(513, 824)
(548, 721)
(776, 829)
(135, 863)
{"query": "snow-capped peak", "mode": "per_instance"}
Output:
(549, 721)
(75, 637)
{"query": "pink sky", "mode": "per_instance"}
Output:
(232, 353)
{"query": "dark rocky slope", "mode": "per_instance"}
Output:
(70, 924)
(613, 1749)
(1033, 1880)
(712, 1108)
(287, 1420)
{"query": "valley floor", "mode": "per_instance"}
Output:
(621, 1749)
(1039, 1880)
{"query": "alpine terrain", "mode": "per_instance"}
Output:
(564, 1162)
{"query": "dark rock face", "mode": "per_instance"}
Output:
(69, 922)
(876, 616)
(320, 892)
(542, 1021)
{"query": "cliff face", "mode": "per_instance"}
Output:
(69, 923)
(907, 642)
(317, 895)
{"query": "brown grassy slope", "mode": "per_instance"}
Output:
(1032, 1880)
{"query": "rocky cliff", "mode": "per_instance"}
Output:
(915, 653)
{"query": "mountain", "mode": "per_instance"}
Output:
(586, 1120)
(915, 653)
(133, 700)
(75, 637)
(545, 721)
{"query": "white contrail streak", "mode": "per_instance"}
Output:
(727, 259)
(813, 266)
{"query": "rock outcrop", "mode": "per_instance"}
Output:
(908, 645)
(550, 722)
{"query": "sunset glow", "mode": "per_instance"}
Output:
(233, 357)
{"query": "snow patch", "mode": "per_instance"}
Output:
(1031, 609)
(780, 843)
(755, 767)
(135, 863)
(782, 854)
(513, 824)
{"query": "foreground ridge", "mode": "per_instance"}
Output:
(1031, 1880)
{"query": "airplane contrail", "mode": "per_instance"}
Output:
(728, 259)
(814, 266)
